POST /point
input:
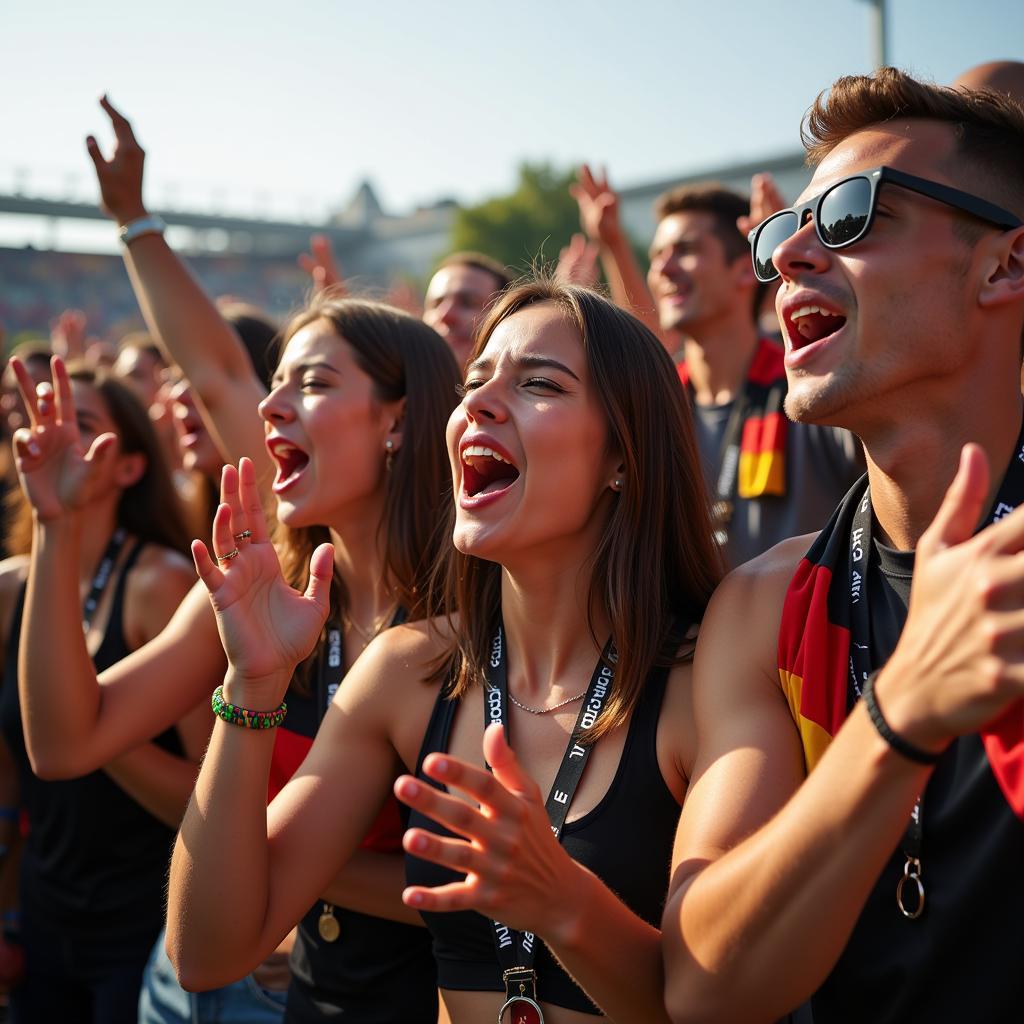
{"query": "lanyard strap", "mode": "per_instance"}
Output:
(1009, 495)
(331, 662)
(516, 950)
(102, 577)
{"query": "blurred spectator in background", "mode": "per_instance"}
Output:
(1005, 76)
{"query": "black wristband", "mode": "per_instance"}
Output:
(894, 739)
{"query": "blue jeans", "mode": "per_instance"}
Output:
(164, 1001)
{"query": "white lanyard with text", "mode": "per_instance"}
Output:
(517, 950)
(1009, 495)
(102, 577)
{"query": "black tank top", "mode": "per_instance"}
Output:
(95, 861)
(962, 959)
(626, 840)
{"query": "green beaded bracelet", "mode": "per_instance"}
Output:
(244, 717)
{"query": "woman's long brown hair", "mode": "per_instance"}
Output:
(656, 562)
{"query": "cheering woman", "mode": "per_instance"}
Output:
(582, 561)
(92, 873)
(354, 425)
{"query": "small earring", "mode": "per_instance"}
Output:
(616, 485)
(389, 458)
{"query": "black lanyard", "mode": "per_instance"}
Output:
(330, 672)
(1009, 495)
(517, 950)
(102, 577)
(331, 663)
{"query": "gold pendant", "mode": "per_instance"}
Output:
(328, 926)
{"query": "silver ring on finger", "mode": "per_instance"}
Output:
(233, 553)
(244, 535)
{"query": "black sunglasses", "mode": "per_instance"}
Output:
(844, 212)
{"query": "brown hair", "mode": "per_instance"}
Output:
(988, 127)
(711, 197)
(501, 274)
(656, 562)
(149, 509)
(405, 359)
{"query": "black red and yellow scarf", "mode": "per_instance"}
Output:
(814, 651)
(761, 468)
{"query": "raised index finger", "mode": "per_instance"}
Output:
(63, 400)
(27, 389)
(122, 126)
(249, 496)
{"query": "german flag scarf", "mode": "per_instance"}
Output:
(752, 463)
(816, 666)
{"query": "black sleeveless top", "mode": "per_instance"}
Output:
(962, 959)
(626, 840)
(95, 862)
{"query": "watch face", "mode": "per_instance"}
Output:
(520, 1010)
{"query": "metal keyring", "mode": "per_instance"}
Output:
(528, 1013)
(911, 873)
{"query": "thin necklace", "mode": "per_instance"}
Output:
(375, 627)
(554, 707)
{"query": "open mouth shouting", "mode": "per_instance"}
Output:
(809, 326)
(290, 461)
(487, 472)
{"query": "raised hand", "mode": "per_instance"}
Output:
(599, 206)
(577, 262)
(67, 334)
(266, 627)
(120, 177)
(960, 660)
(765, 199)
(57, 474)
(322, 266)
(516, 870)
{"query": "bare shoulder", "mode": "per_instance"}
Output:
(158, 567)
(394, 683)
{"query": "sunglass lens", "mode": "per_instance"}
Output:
(771, 234)
(843, 214)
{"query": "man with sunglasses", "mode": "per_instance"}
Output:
(854, 829)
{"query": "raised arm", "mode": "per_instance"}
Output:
(767, 863)
(179, 314)
(73, 722)
(599, 218)
(276, 862)
(518, 873)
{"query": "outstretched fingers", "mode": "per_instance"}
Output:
(122, 126)
(454, 814)
(249, 499)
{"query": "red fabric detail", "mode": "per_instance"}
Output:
(1004, 744)
(768, 364)
(814, 648)
(764, 434)
(290, 749)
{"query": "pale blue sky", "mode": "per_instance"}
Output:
(284, 107)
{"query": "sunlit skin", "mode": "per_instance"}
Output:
(198, 450)
(855, 374)
(530, 392)
(141, 370)
(693, 283)
(327, 431)
(456, 298)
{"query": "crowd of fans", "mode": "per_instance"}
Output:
(649, 652)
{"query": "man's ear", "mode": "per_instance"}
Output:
(742, 270)
(1003, 270)
(130, 469)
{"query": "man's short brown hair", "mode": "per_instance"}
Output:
(988, 126)
(478, 261)
(711, 197)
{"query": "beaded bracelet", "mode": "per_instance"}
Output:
(245, 717)
(898, 743)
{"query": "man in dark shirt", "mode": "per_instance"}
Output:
(854, 828)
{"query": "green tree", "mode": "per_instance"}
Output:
(526, 228)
